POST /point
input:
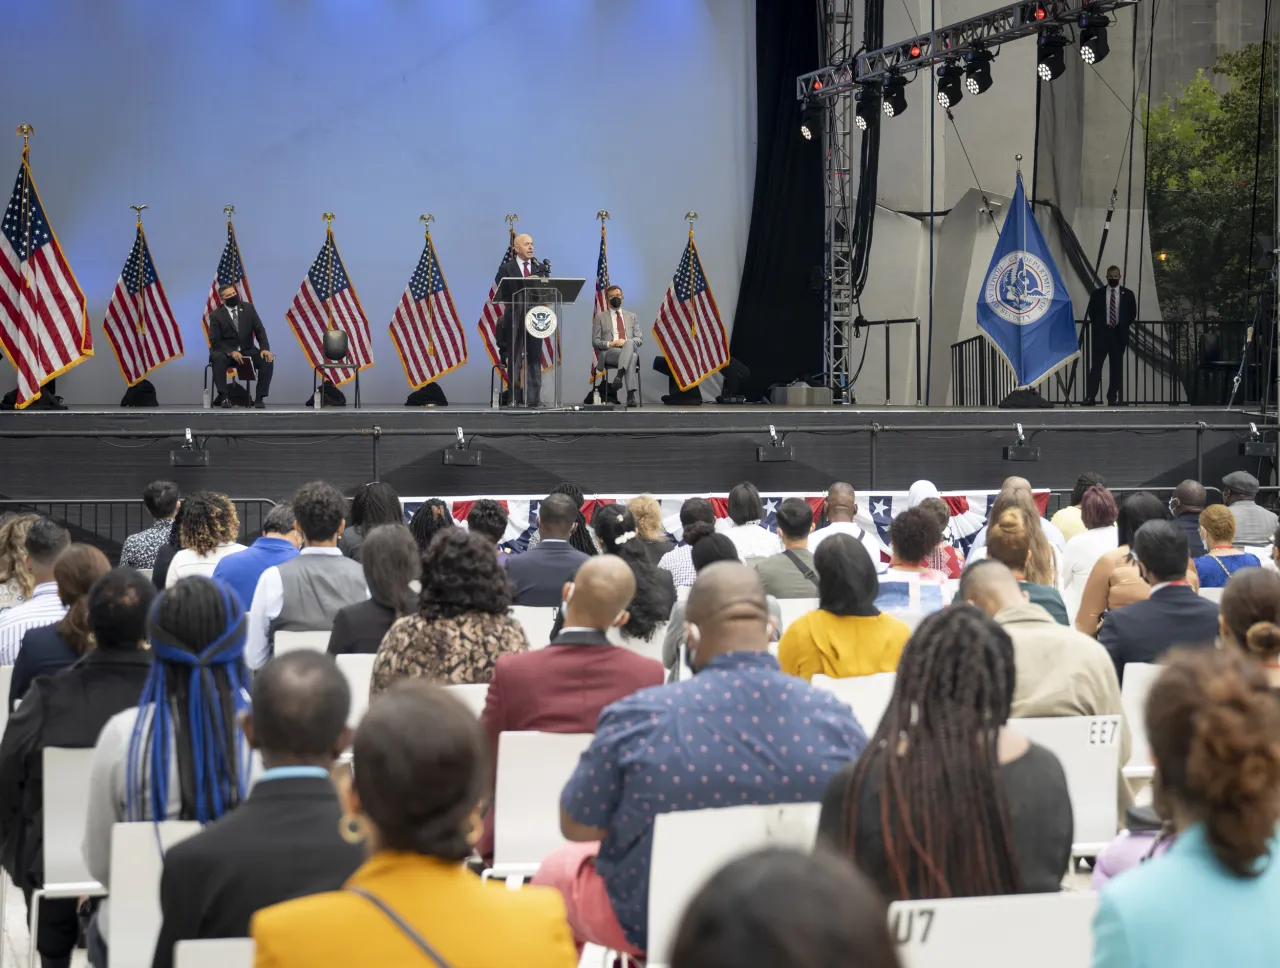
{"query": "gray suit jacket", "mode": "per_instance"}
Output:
(604, 330)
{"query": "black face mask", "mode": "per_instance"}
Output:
(1113, 283)
(615, 302)
(231, 302)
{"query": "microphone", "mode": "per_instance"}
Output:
(545, 269)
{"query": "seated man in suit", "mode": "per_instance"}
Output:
(1175, 615)
(540, 573)
(283, 841)
(615, 335)
(233, 327)
(562, 688)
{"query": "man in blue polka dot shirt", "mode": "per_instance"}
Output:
(739, 732)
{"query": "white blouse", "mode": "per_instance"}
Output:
(1083, 552)
(751, 540)
(187, 562)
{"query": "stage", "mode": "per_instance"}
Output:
(112, 453)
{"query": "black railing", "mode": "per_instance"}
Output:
(106, 523)
(1168, 362)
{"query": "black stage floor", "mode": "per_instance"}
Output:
(113, 453)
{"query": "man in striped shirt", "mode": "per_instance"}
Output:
(46, 540)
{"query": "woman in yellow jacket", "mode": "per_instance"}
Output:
(419, 776)
(847, 635)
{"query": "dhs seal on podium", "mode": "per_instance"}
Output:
(540, 321)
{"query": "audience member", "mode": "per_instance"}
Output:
(161, 500)
(392, 561)
(1214, 730)
(846, 635)
(563, 688)
(1027, 502)
(948, 802)
(944, 557)
(489, 519)
(790, 574)
(196, 689)
(283, 841)
(280, 541)
(1249, 620)
(68, 711)
(721, 727)
(208, 533)
(743, 527)
(430, 519)
(921, 491)
(46, 540)
(1098, 536)
(1254, 524)
(1009, 540)
(373, 504)
(306, 592)
(1114, 582)
(648, 514)
(840, 512)
(47, 649)
(1070, 520)
(1144, 836)
(462, 623)
(785, 909)
(16, 583)
(1044, 566)
(1173, 615)
(655, 591)
(581, 537)
(909, 584)
(1222, 560)
(415, 803)
(538, 574)
(165, 553)
(697, 521)
(1189, 499)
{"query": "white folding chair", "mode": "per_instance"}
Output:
(293, 641)
(536, 621)
(1045, 930)
(1138, 677)
(147, 572)
(792, 609)
(214, 953)
(532, 770)
(358, 670)
(682, 593)
(136, 863)
(650, 648)
(1088, 747)
(473, 695)
(867, 696)
(6, 679)
(1213, 594)
(689, 846)
(66, 806)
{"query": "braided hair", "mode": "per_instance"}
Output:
(942, 808)
(581, 536)
(190, 703)
(431, 518)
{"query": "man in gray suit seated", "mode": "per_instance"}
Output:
(615, 334)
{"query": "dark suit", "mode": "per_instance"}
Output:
(1189, 521)
(540, 573)
(1174, 616)
(44, 651)
(560, 689)
(1108, 342)
(227, 336)
(280, 843)
(528, 348)
(360, 628)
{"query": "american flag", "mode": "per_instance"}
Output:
(602, 283)
(44, 320)
(492, 312)
(139, 323)
(230, 273)
(310, 310)
(426, 328)
(688, 327)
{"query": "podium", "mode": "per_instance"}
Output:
(532, 304)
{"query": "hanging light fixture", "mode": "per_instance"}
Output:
(895, 97)
(866, 101)
(977, 69)
(950, 83)
(1093, 37)
(1051, 59)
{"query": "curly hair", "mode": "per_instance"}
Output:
(648, 514)
(75, 571)
(655, 594)
(430, 519)
(913, 534)
(1219, 524)
(319, 509)
(461, 574)
(489, 518)
(208, 520)
(13, 555)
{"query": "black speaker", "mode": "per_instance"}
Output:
(335, 345)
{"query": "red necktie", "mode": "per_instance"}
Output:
(526, 269)
(622, 333)
(1112, 320)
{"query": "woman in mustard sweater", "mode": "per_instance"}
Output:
(847, 635)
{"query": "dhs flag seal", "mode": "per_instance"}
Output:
(1024, 308)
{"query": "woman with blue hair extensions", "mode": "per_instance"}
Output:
(180, 755)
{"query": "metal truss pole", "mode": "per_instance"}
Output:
(836, 17)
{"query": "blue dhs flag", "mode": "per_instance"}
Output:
(1024, 307)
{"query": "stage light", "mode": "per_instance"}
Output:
(1039, 13)
(810, 115)
(1093, 37)
(977, 70)
(866, 102)
(950, 84)
(1052, 57)
(915, 50)
(895, 98)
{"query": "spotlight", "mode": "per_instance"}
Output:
(1052, 58)
(1093, 38)
(895, 98)
(866, 106)
(810, 116)
(950, 84)
(977, 70)
(915, 50)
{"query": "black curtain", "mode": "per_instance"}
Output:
(777, 330)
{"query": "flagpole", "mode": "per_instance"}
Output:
(228, 211)
(511, 218)
(691, 217)
(26, 131)
(426, 221)
(142, 248)
(328, 241)
(603, 216)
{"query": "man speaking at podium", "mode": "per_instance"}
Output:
(233, 328)
(528, 349)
